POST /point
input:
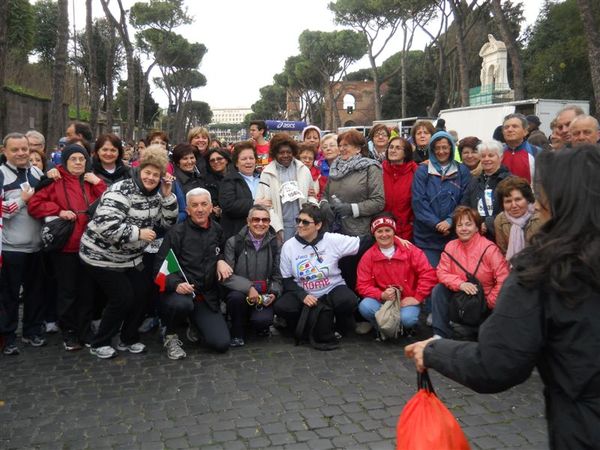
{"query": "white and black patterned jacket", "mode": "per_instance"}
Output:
(111, 238)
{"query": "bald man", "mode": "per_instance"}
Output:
(584, 129)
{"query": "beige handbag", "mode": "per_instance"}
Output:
(389, 317)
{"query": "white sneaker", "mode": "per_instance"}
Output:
(52, 327)
(138, 347)
(173, 346)
(363, 327)
(104, 352)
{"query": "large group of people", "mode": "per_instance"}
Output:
(222, 244)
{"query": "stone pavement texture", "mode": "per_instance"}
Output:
(268, 394)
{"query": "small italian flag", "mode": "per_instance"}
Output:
(170, 265)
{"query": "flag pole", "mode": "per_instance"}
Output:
(181, 270)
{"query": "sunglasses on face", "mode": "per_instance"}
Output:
(257, 220)
(303, 222)
(214, 160)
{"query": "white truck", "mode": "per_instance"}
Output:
(482, 120)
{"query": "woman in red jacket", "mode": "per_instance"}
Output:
(468, 249)
(398, 172)
(393, 262)
(69, 198)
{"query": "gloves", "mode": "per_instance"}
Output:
(327, 212)
(343, 209)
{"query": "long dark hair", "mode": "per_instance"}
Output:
(565, 254)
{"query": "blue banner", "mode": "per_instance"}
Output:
(284, 125)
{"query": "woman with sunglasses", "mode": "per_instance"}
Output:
(310, 271)
(253, 254)
(218, 166)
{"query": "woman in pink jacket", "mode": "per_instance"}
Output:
(467, 250)
(393, 262)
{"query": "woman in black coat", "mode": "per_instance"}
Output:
(219, 165)
(548, 312)
(238, 189)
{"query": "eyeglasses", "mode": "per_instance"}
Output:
(304, 222)
(381, 134)
(214, 160)
(256, 220)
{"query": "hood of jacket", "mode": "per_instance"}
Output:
(433, 161)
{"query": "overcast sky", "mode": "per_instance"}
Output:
(248, 42)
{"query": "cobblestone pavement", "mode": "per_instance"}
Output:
(268, 394)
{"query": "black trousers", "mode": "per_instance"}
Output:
(174, 307)
(125, 293)
(344, 301)
(49, 288)
(21, 269)
(240, 311)
(75, 303)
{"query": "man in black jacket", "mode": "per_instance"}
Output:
(193, 290)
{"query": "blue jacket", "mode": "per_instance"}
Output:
(436, 192)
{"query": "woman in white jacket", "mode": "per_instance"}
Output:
(286, 182)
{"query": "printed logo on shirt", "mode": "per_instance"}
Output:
(312, 277)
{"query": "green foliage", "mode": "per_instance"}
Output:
(84, 113)
(20, 27)
(159, 14)
(272, 103)
(198, 113)
(46, 14)
(556, 62)
(150, 106)
(21, 90)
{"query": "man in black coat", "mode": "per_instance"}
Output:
(192, 291)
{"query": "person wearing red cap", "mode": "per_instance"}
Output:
(393, 263)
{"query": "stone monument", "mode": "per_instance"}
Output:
(494, 75)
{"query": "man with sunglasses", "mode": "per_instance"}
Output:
(253, 255)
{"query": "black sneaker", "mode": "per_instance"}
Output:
(10, 348)
(34, 341)
(71, 343)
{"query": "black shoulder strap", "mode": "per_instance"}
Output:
(460, 265)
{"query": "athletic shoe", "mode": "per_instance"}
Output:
(192, 333)
(34, 341)
(138, 347)
(104, 352)
(237, 342)
(173, 346)
(52, 327)
(279, 322)
(149, 324)
(11, 349)
(71, 343)
(363, 327)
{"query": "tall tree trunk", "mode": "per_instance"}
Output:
(591, 26)
(144, 75)
(438, 93)
(110, 64)
(92, 63)
(3, 52)
(511, 48)
(56, 118)
(121, 26)
(376, 84)
(463, 67)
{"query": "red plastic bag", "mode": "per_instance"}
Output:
(426, 424)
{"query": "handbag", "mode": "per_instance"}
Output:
(469, 309)
(426, 424)
(388, 317)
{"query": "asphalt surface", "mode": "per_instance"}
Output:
(268, 394)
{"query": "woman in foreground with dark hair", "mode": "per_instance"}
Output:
(548, 312)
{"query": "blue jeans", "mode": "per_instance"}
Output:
(369, 306)
(440, 297)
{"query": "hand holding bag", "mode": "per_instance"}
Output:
(426, 424)
(389, 317)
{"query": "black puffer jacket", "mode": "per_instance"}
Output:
(235, 199)
(122, 172)
(197, 249)
(534, 328)
(476, 191)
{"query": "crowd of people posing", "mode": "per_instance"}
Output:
(223, 243)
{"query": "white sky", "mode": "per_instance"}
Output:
(248, 42)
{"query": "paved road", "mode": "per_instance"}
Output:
(268, 394)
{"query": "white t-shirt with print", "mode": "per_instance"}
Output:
(317, 272)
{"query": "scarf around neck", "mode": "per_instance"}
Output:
(516, 238)
(340, 168)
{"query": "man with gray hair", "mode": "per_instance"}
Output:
(21, 248)
(563, 122)
(192, 291)
(519, 155)
(584, 129)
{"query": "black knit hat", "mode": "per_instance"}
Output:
(75, 148)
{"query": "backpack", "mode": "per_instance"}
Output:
(389, 317)
(468, 309)
(316, 325)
